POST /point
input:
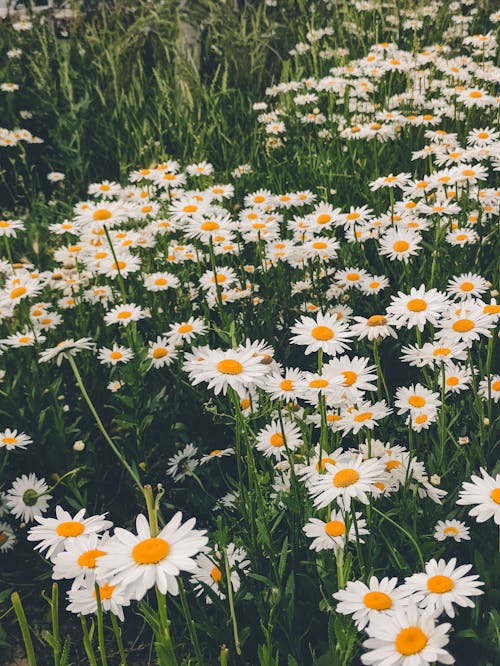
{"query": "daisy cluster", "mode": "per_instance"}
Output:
(347, 349)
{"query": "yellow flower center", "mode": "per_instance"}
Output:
(24, 339)
(115, 355)
(352, 216)
(400, 246)
(475, 94)
(440, 584)
(150, 551)
(71, 528)
(352, 277)
(319, 245)
(318, 383)
(101, 214)
(410, 640)
(322, 333)
(259, 198)
(392, 464)
(374, 285)
(421, 418)
(441, 351)
(376, 320)
(216, 574)
(334, 528)
(363, 416)
(4, 223)
(324, 461)
(416, 401)
(220, 278)
(450, 530)
(496, 385)
(377, 601)
(17, 292)
(245, 403)
(89, 557)
(452, 381)
(9, 440)
(463, 325)
(229, 366)
(119, 265)
(185, 328)
(416, 305)
(106, 591)
(125, 314)
(346, 477)
(468, 172)
(349, 377)
(277, 439)
(483, 135)
(495, 495)
(286, 385)
(209, 225)
(190, 208)
(491, 309)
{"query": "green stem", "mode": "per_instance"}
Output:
(23, 624)
(120, 276)
(190, 623)
(410, 537)
(87, 643)
(99, 423)
(54, 610)
(231, 604)
(100, 627)
(118, 636)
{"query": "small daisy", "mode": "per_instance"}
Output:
(161, 352)
(465, 324)
(333, 534)
(417, 308)
(183, 464)
(283, 386)
(83, 601)
(10, 439)
(7, 537)
(324, 332)
(186, 331)
(363, 415)
(28, 497)
(137, 562)
(367, 602)
(209, 570)
(415, 397)
(77, 562)
(116, 355)
(489, 388)
(274, 440)
(54, 533)
(124, 314)
(442, 585)
(216, 454)
(64, 347)
(467, 285)
(375, 327)
(451, 529)
(407, 637)
(346, 481)
(484, 493)
(457, 378)
(400, 244)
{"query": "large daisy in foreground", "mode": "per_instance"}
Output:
(137, 562)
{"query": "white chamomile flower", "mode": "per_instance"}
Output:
(451, 529)
(484, 493)
(324, 332)
(137, 562)
(83, 601)
(53, 534)
(333, 534)
(442, 585)
(367, 602)
(28, 497)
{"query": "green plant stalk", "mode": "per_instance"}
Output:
(165, 639)
(23, 624)
(100, 627)
(100, 424)
(54, 610)
(231, 604)
(224, 652)
(118, 637)
(410, 537)
(120, 276)
(193, 634)
(87, 643)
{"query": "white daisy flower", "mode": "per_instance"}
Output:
(451, 529)
(407, 637)
(7, 537)
(323, 332)
(11, 439)
(333, 534)
(368, 602)
(137, 562)
(77, 561)
(484, 493)
(442, 585)
(116, 355)
(83, 601)
(273, 440)
(27, 497)
(54, 533)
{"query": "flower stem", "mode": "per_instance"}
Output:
(99, 423)
(118, 636)
(100, 627)
(231, 605)
(23, 624)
